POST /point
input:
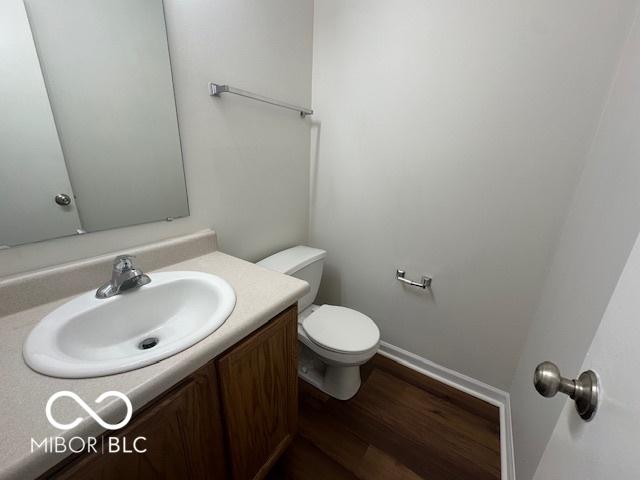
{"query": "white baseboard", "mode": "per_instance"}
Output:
(469, 385)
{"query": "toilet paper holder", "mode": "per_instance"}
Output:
(424, 284)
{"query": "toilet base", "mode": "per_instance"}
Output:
(341, 382)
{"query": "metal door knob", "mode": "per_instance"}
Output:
(548, 381)
(62, 199)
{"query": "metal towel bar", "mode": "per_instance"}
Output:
(215, 90)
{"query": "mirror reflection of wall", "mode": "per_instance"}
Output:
(32, 168)
(93, 117)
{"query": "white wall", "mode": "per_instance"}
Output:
(607, 446)
(246, 163)
(601, 227)
(451, 137)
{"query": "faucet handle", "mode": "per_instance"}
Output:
(123, 263)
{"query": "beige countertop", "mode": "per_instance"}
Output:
(261, 294)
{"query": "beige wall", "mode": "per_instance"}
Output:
(246, 163)
(452, 135)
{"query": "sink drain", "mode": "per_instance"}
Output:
(148, 343)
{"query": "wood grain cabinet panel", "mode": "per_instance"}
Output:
(259, 391)
(184, 439)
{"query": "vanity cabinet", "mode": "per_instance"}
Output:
(259, 391)
(232, 418)
(183, 432)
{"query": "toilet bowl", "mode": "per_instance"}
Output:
(334, 341)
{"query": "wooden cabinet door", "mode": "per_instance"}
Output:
(259, 390)
(184, 438)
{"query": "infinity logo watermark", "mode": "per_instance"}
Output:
(88, 409)
(103, 444)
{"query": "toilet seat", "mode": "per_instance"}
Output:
(341, 329)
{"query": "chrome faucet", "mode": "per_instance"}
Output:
(124, 276)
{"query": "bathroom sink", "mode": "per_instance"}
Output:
(91, 337)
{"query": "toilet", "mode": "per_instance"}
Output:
(334, 341)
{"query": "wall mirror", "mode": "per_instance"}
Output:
(89, 135)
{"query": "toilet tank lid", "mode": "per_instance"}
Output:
(292, 259)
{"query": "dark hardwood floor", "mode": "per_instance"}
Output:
(400, 426)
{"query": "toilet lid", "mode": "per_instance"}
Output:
(341, 329)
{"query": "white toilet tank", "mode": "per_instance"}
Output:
(301, 262)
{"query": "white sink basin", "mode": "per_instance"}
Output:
(90, 337)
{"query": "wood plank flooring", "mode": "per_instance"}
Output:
(400, 426)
